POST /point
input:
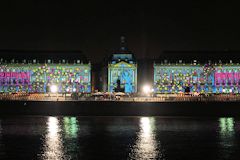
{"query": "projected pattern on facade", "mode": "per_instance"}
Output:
(124, 72)
(38, 77)
(199, 78)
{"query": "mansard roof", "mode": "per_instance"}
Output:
(42, 55)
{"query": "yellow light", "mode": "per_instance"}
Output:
(146, 89)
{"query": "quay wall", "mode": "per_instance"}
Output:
(119, 108)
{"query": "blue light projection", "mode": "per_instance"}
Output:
(124, 72)
(126, 78)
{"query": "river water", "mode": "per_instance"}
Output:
(140, 138)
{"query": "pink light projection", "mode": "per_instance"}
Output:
(22, 75)
(227, 77)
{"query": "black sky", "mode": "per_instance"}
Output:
(95, 27)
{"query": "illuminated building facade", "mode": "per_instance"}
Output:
(122, 71)
(206, 78)
(32, 76)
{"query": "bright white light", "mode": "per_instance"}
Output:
(146, 145)
(230, 90)
(53, 143)
(74, 89)
(145, 125)
(224, 90)
(146, 89)
(53, 88)
(67, 89)
(52, 126)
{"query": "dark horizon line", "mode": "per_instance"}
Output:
(164, 51)
(40, 50)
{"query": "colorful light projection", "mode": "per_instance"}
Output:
(21, 75)
(227, 79)
(126, 73)
(39, 78)
(14, 78)
(202, 79)
(174, 79)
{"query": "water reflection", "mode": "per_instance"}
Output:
(0, 129)
(0, 133)
(146, 146)
(227, 137)
(53, 147)
(226, 126)
(70, 127)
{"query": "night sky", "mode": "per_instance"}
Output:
(95, 28)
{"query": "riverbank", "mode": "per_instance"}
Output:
(119, 108)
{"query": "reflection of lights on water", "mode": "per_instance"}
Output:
(71, 126)
(1, 134)
(53, 147)
(0, 129)
(145, 126)
(227, 136)
(52, 126)
(226, 125)
(146, 146)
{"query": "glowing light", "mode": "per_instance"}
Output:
(52, 126)
(54, 89)
(74, 89)
(126, 73)
(145, 125)
(146, 89)
(203, 78)
(224, 90)
(36, 78)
